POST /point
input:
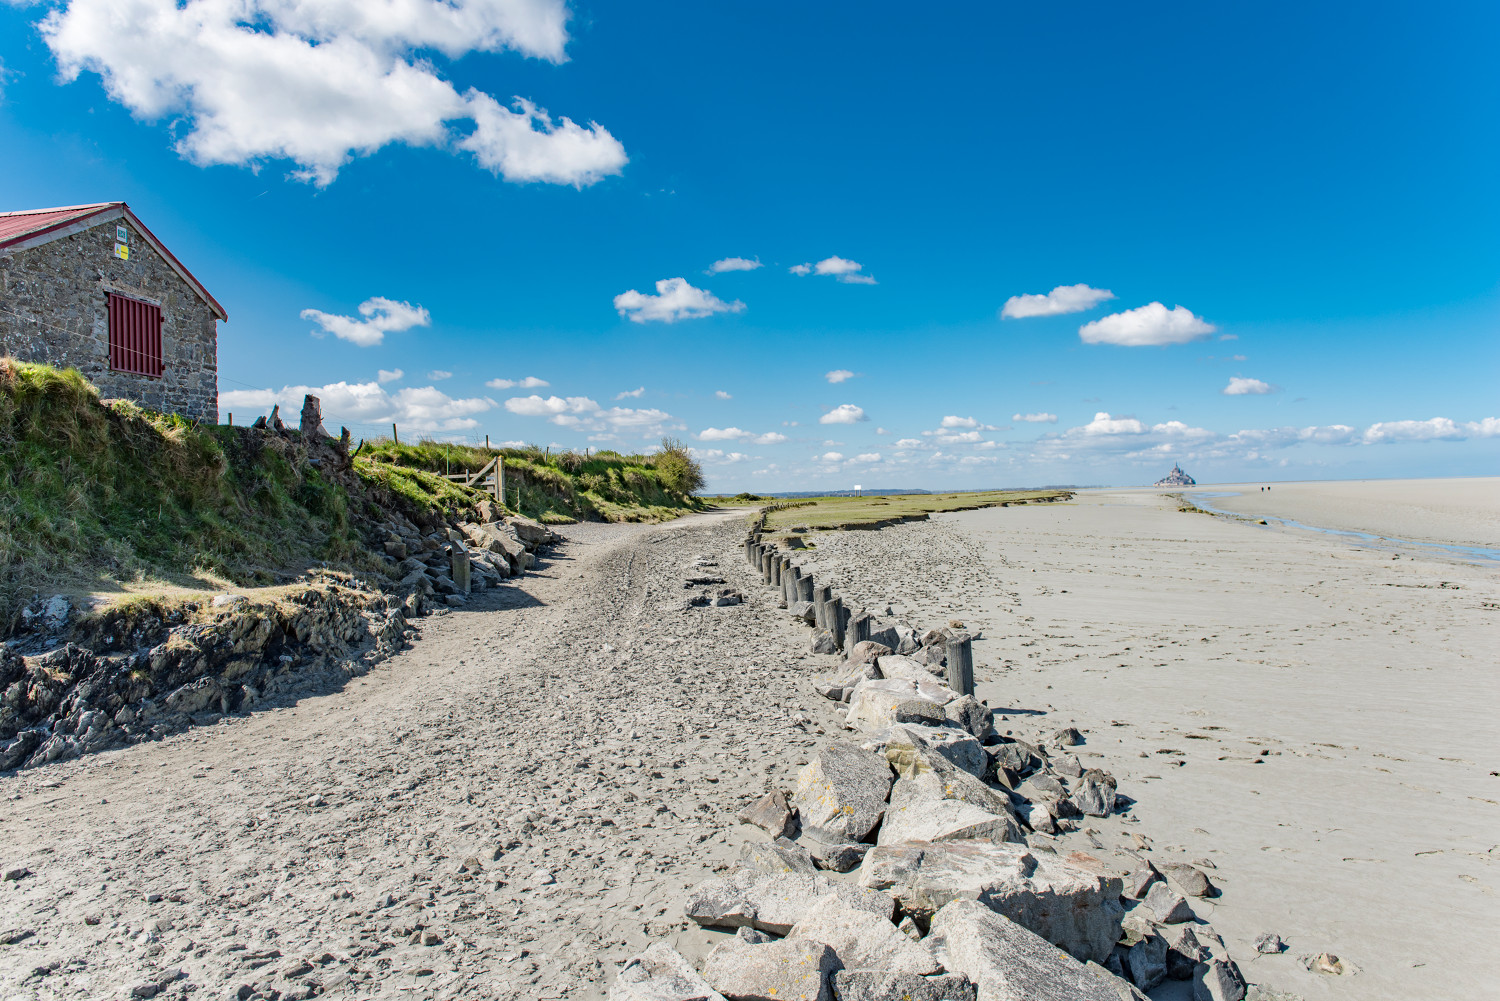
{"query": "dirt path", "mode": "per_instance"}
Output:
(507, 809)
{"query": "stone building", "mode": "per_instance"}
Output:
(1177, 478)
(90, 287)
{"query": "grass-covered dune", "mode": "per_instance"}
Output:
(102, 495)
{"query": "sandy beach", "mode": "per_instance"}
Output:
(1457, 512)
(1315, 719)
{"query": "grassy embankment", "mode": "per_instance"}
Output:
(107, 497)
(814, 513)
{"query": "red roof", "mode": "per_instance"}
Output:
(33, 227)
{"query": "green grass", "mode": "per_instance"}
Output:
(106, 496)
(856, 512)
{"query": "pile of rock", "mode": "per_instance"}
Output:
(451, 562)
(914, 861)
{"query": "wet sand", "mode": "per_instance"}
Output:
(1315, 718)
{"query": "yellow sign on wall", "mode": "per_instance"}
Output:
(122, 251)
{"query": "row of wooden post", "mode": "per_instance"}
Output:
(846, 626)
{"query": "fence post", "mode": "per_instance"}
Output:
(859, 628)
(822, 595)
(395, 438)
(835, 617)
(805, 588)
(961, 663)
(231, 418)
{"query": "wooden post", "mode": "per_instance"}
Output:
(822, 595)
(805, 588)
(775, 569)
(961, 663)
(793, 591)
(486, 443)
(859, 628)
(765, 564)
(786, 581)
(835, 616)
(395, 438)
(748, 543)
(231, 418)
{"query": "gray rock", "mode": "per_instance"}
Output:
(1166, 906)
(753, 936)
(1184, 951)
(823, 642)
(532, 533)
(901, 668)
(772, 971)
(1020, 758)
(873, 704)
(863, 941)
(661, 974)
(866, 985)
(1218, 980)
(774, 903)
(777, 857)
(771, 814)
(867, 652)
(918, 811)
(1067, 737)
(1049, 786)
(912, 748)
(835, 858)
(1191, 880)
(1269, 944)
(840, 794)
(1068, 765)
(1146, 962)
(1071, 901)
(1140, 878)
(1008, 962)
(1095, 795)
(972, 715)
(920, 711)
(804, 610)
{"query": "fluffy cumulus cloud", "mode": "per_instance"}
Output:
(831, 457)
(424, 408)
(740, 434)
(530, 382)
(1063, 299)
(1147, 326)
(717, 456)
(320, 83)
(380, 317)
(438, 375)
(1041, 417)
(959, 422)
(632, 394)
(838, 375)
(388, 375)
(674, 300)
(733, 264)
(1247, 387)
(844, 413)
(1435, 429)
(580, 413)
(844, 270)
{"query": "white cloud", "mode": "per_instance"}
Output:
(580, 413)
(1105, 424)
(438, 375)
(881, 431)
(321, 83)
(847, 271)
(831, 457)
(838, 375)
(1436, 429)
(959, 438)
(740, 434)
(866, 457)
(636, 393)
(722, 395)
(388, 375)
(675, 300)
(844, 413)
(1146, 326)
(733, 264)
(381, 316)
(910, 443)
(1036, 418)
(424, 408)
(530, 382)
(1247, 387)
(1063, 299)
(958, 422)
(524, 144)
(718, 456)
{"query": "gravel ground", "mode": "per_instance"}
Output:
(509, 808)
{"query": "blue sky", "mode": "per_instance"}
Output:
(1307, 191)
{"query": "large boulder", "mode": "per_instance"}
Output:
(532, 533)
(660, 974)
(863, 941)
(870, 985)
(872, 706)
(777, 857)
(840, 794)
(911, 748)
(792, 969)
(904, 668)
(1009, 962)
(774, 903)
(771, 814)
(972, 715)
(867, 652)
(918, 811)
(1071, 901)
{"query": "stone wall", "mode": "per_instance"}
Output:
(54, 310)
